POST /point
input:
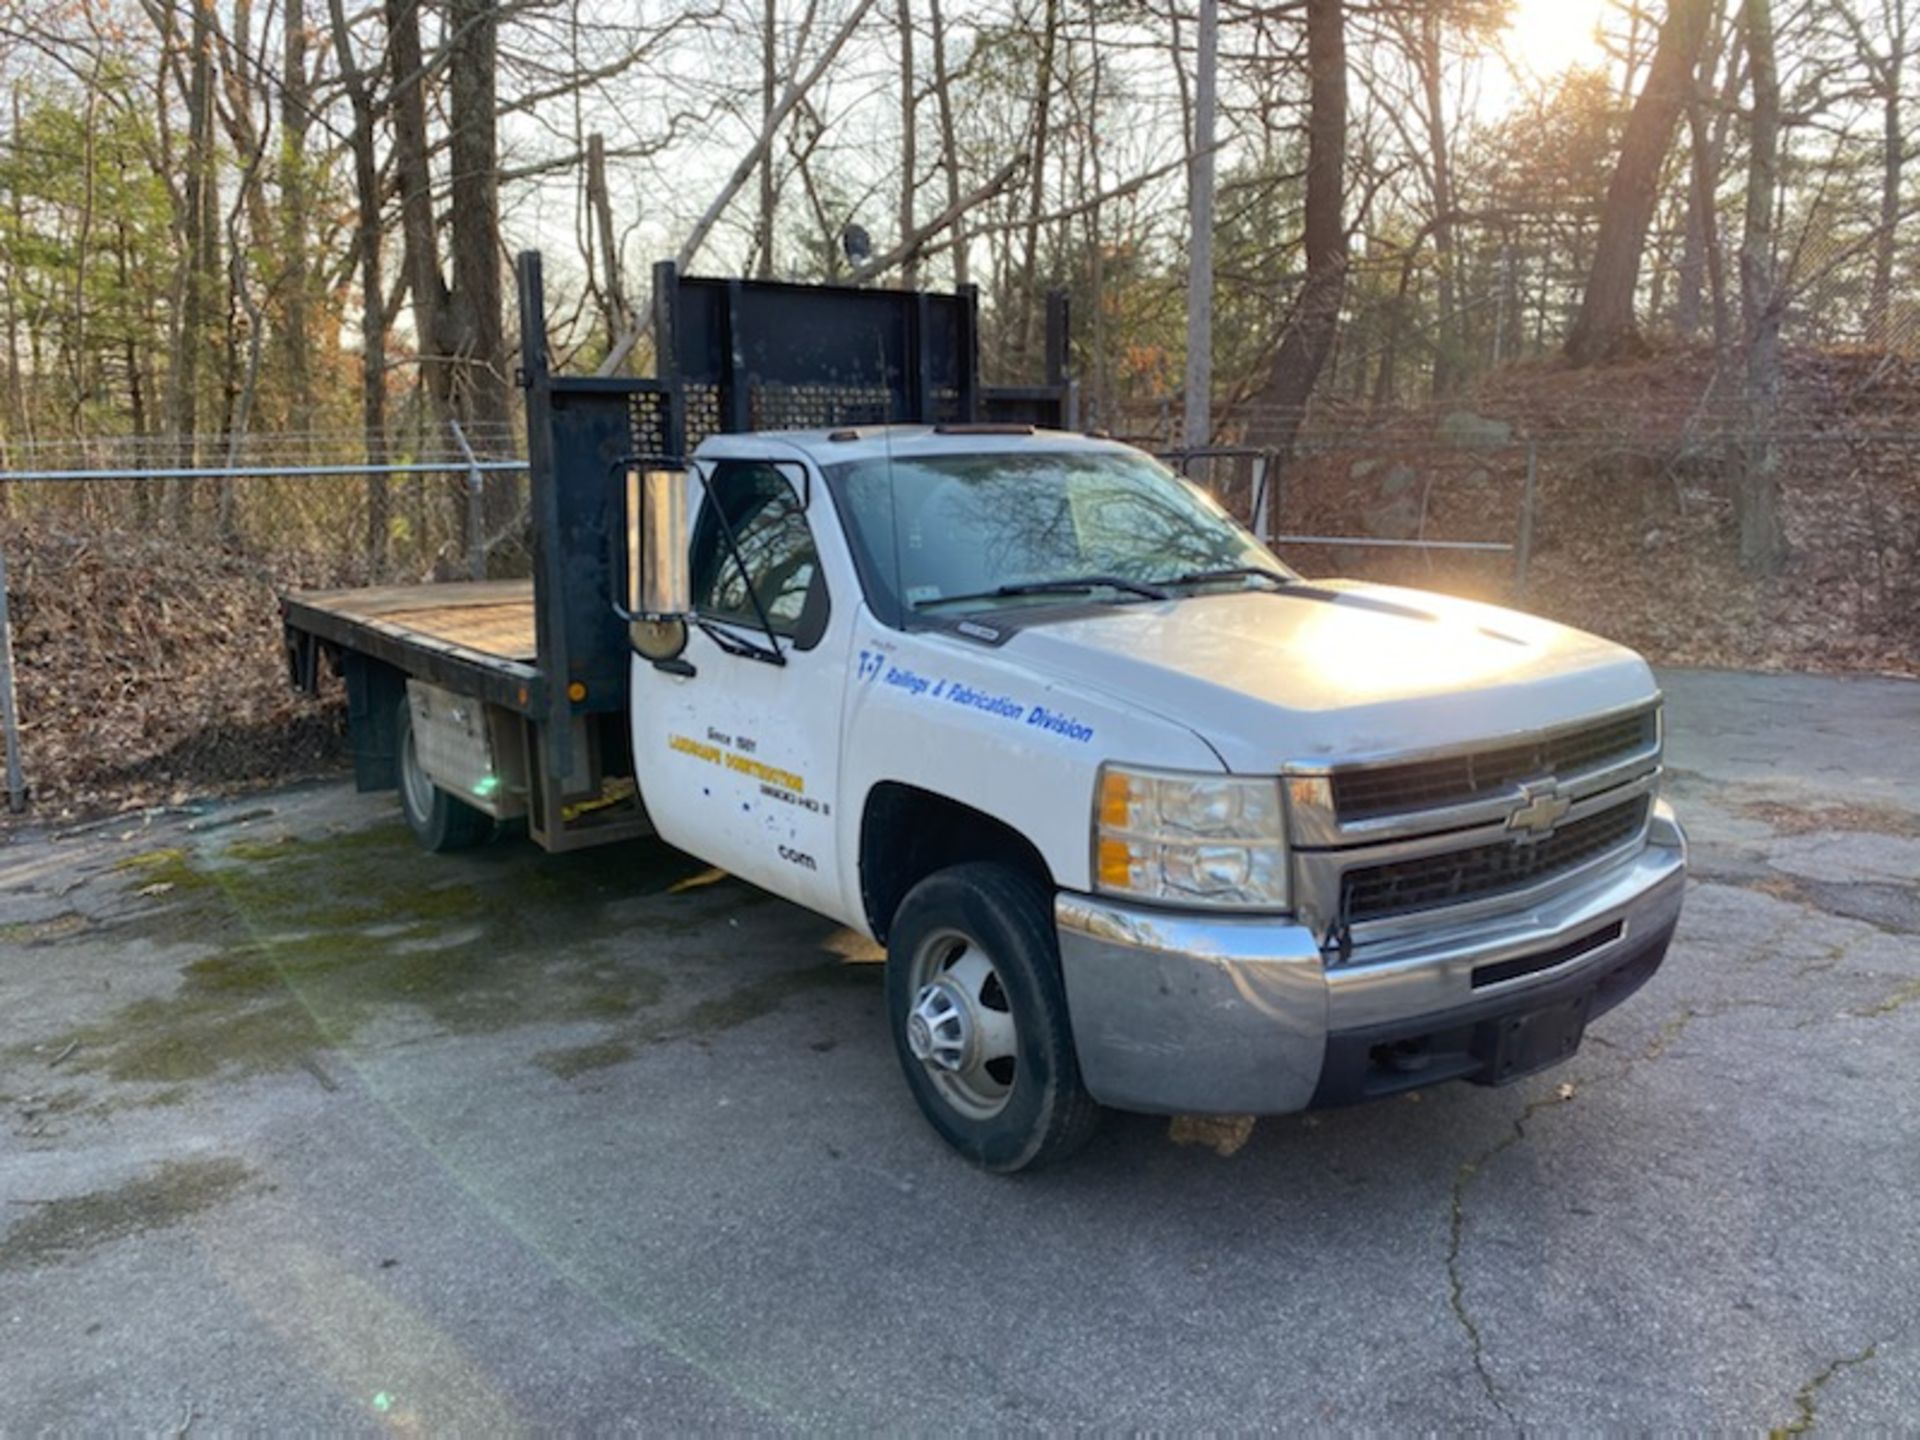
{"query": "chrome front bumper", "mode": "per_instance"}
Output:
(1178, 1013)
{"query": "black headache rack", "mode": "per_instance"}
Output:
(734, 356)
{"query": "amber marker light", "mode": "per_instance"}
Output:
(1116, 799)
(1310, 792)
(1116, 864)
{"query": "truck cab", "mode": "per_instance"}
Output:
(1145, 819)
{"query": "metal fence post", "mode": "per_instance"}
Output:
(1523, 543)
(1262, 497)
(476, 541)
(9, 717)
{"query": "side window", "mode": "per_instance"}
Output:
(781, 563)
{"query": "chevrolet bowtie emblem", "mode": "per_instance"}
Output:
(1541, 807)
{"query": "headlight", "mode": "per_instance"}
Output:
(1190, 839)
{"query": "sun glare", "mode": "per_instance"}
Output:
(1549, 36)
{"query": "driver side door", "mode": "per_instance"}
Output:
(739, 759)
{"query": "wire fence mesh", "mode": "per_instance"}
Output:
(437, 507)
(147, 642)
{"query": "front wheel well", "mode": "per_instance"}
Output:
(907, 834)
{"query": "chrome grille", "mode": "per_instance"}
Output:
(1451, 877)
(1397, 789)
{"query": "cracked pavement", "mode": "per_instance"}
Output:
(301, 1129)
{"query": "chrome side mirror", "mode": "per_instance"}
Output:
(659, 590)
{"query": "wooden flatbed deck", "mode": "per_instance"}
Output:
(477, 635)
(488, 617)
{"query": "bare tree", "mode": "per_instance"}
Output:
(1885, 47)
(296, 226)
(1280, 406)
(1702, 259)
(769, 93)
(1756, 495)
(1606, 323)
(461, 330)
(1027, 333)
(909, 158)
(373, 307)
(1198, 429)
(949, 143)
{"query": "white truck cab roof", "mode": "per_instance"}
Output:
(874, 442)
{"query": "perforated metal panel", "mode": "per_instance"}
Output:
(702, 409)
(648, 423)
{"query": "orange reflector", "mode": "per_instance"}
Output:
(1116, 864)
(1116, 795)
(1310, 792)
(576, 692)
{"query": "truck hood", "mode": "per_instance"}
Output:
(1337, 670)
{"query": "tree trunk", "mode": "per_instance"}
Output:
(1756, 496)
(1690, 283)
(769, 79)
(1605, 326)
(1448, 352)
(613, 290)
(1028, 336)
(461, 331)
(1197, 431)
(474, 197)
(909, 161)
(1100, 399)
(1281, 404)
(1893, 154)
(949, 146)
(373, 301)
(199, 252)
(296, 341)
(20, 424)
(407, 108)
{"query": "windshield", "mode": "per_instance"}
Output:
(954, 533)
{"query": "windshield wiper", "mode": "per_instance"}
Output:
(1076, 585)
(1231, 572)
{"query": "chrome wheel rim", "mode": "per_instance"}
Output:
(960, 1025)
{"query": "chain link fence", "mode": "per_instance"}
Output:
(181, 546)
(1617, 522)
(314, 503)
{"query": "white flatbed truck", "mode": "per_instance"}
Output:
(1144, 819)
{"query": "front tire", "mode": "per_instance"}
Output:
(439, 821)
(979, 1017)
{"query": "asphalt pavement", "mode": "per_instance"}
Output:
(300, 1128)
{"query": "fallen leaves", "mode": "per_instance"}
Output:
(151, 671)
(1635, 534)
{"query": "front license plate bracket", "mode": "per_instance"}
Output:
(1511, 1047)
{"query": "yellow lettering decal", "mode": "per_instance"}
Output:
(741, 764)
(772, 774)
(699, 749)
